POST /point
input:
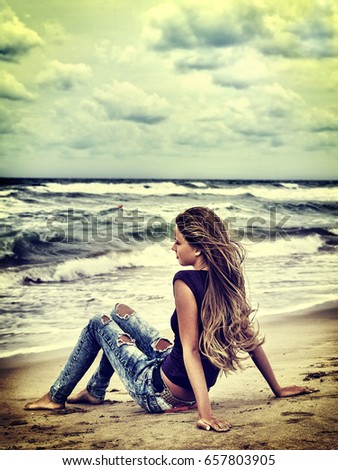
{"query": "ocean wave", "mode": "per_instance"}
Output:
(261, 232)
(100, 188)
(155, 255)
(198, 184)
(305, 231)
(312, 206)
(273, 192)
(80, 268)
(289, 247)
(12, 206)
(301, 194)
(8, 192)
(159, 189)
(290, 185)
(29, 247)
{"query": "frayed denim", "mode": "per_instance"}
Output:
(129, 346)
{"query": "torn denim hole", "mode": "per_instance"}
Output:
(105, 319)
(124, 338)
(156, 343)
(123, 311)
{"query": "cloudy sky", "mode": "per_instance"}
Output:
(173, 89)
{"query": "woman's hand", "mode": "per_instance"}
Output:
(214, 423)
(294, 390)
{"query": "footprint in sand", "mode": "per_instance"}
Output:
(70, 410)
(315, 375)
(297, 416)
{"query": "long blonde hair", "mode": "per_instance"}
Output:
(228, 330)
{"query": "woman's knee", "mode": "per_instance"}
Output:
(123, 311)
(98, 320)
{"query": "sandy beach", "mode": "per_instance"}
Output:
(302, 348)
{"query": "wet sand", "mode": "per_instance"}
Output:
(302, 348)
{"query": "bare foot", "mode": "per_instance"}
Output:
(44, 403)
(84, 397)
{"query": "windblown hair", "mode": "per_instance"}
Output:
(228, 330)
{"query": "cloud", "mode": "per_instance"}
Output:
(7, 121)
(11, 89)
(107, 53)
(125, 101)
(317, 30)
(242, 69)
(267, 111)
(306, 28)
(282, 117)
(55, 33)
(16, 39)
(64, 76)
(308, 31)
(264, 116)
(167, 27)
(198, 60)
(88, 131)
(322, 126)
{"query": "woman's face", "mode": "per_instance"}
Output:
(185, 253)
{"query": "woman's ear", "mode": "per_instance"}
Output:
(197, 252)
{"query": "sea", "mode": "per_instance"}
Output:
(72, 248)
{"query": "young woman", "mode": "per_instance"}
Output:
(211, 325)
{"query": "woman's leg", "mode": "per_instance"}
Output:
(95, 391)
(133, 366)
(81, 358)
(147, 339)
(79, 361)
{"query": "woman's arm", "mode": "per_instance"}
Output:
(262, 363)
(187, 314)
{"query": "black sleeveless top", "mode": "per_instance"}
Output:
(173, 365)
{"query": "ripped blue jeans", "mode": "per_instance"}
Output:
(129, 347)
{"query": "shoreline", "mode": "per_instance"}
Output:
(36, 356)
(302, 349)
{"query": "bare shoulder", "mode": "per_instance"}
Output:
(181, 289)
(185, 300)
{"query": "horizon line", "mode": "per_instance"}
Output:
(103, 178)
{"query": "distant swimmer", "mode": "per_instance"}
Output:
(28, 280)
